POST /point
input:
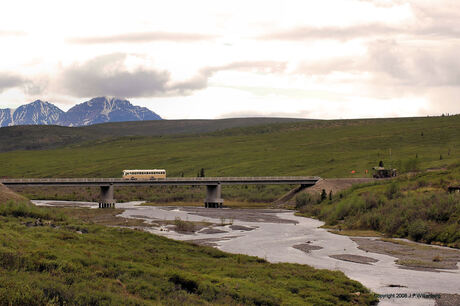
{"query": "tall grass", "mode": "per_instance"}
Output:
(28, 210)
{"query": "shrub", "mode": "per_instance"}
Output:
(183, 226)
(323, 195)
(25, 209)
(417, 230)
(305, 199)
(411, 165)
(392, 190)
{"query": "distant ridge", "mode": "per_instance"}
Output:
(96, 110)
(36, 137)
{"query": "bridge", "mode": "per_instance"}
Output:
(213, 184)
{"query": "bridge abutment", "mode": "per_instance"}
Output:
(213, 196)
(106, 200)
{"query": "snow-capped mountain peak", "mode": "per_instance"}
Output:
(37, 112)
(96, 110)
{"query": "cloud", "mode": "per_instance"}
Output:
(391, 62)
(8, 81)
(108, 75)
(433, 30)
(414, 66)
(383, 3)
(29, 86)
(258, 66)
(429, 21)
(142, 37)
(256, 114)
(328, 66)
(12, 33)
(332, 32)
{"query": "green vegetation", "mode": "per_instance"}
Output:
(247, 196)
(33, 137)
(320, 148)
(48, 257)
(415, 206)
(58, 256)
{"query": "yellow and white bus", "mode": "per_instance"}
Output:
(152, 174)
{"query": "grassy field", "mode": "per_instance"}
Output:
(33, 137)
(50, 256)
(320, 148)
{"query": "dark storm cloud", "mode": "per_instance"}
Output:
(142, 37)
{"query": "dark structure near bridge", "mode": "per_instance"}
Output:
(213, 184)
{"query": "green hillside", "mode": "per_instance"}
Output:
(39, 137)
(320, 148)
(415, 206)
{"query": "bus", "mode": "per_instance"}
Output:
(152, 174)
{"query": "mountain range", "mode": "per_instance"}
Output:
(96, 110)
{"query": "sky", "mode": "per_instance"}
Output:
(328, 59)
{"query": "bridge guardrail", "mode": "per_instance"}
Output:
(174, 179)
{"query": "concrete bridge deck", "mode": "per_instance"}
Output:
(213, 184)
(167, 181)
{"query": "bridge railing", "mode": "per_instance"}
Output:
(170, 179)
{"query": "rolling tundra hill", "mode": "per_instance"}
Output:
(320, 148)
(36, 137)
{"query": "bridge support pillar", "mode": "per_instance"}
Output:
(106, 200)
(213, 196)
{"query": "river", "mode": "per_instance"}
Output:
(273, 239)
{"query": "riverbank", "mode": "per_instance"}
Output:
(275, 235)
(52, 255)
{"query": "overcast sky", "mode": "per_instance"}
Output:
(218, 59)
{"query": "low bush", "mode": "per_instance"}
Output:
(411, 208)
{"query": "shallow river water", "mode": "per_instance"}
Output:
(275, 241)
